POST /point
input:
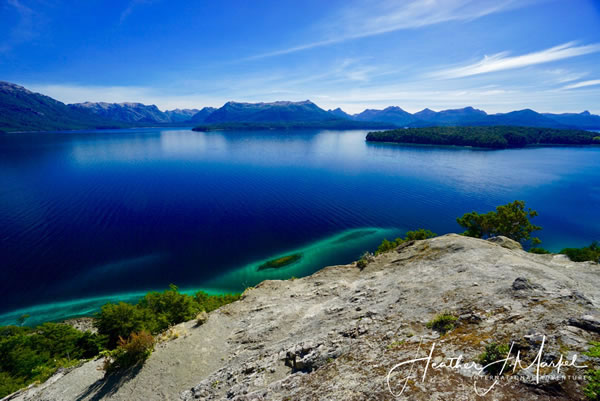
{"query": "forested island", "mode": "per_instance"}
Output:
(293, 125)
(496, 137)
(280, 262)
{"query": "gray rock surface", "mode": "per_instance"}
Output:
(335, 335)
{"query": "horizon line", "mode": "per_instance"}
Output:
(165, 109)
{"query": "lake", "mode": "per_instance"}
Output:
(88, 217)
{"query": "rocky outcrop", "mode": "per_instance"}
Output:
(337, 334)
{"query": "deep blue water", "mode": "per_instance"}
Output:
(89, 215)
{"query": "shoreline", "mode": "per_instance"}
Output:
(468, 147)
(316, 255)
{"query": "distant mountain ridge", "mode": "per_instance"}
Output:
(125, 112)
(181, 115)
(23, 110)
(470, 116)
(276, 112)
(201, 115)
(393, 114)
(584, 120)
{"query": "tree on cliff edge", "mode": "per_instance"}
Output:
(510, 220)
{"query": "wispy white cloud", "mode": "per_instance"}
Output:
(266, 85)
(561, 76)
(502, 61)
(582, 84)
(23, 30)
(369, 19)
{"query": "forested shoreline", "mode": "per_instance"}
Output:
(496, 137)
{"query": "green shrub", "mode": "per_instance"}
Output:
(539, 251)
(442, 323)
(33, 354)
(419, 234)
(168, 307)
(9, 384)
(493, 353)
(387, 245)
(155, 312)
(209, 303)
(594, 350)
(120, 320)
(30, 354)
(131, 352)
(596, 139)
(510, 220)
(364, 260)
(589, 253)
(592, 388)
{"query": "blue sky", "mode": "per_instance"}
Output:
(497, 55)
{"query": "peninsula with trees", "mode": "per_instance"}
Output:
(495, 137)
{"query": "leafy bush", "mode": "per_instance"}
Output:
(364, 260)
(442, 323)
(120, 320)
(589, 253)
(30, 354)
(493, 353)
(419, 234)
(387, 245)
(168, 307)
(155, 312)
(510, 220)
(131, 352)
(539, 251)
(33, 354)
(597, 139)
(592, 388)
(594, 350)
(209, 303)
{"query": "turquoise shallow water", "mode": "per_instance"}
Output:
(88, 217)
(317, 254)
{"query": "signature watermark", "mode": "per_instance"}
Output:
(511, 363)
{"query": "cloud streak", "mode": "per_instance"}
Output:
(370, 19)
(23, 30)
(582, 84)
(502, 61)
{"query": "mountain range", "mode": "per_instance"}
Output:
(23, 110)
